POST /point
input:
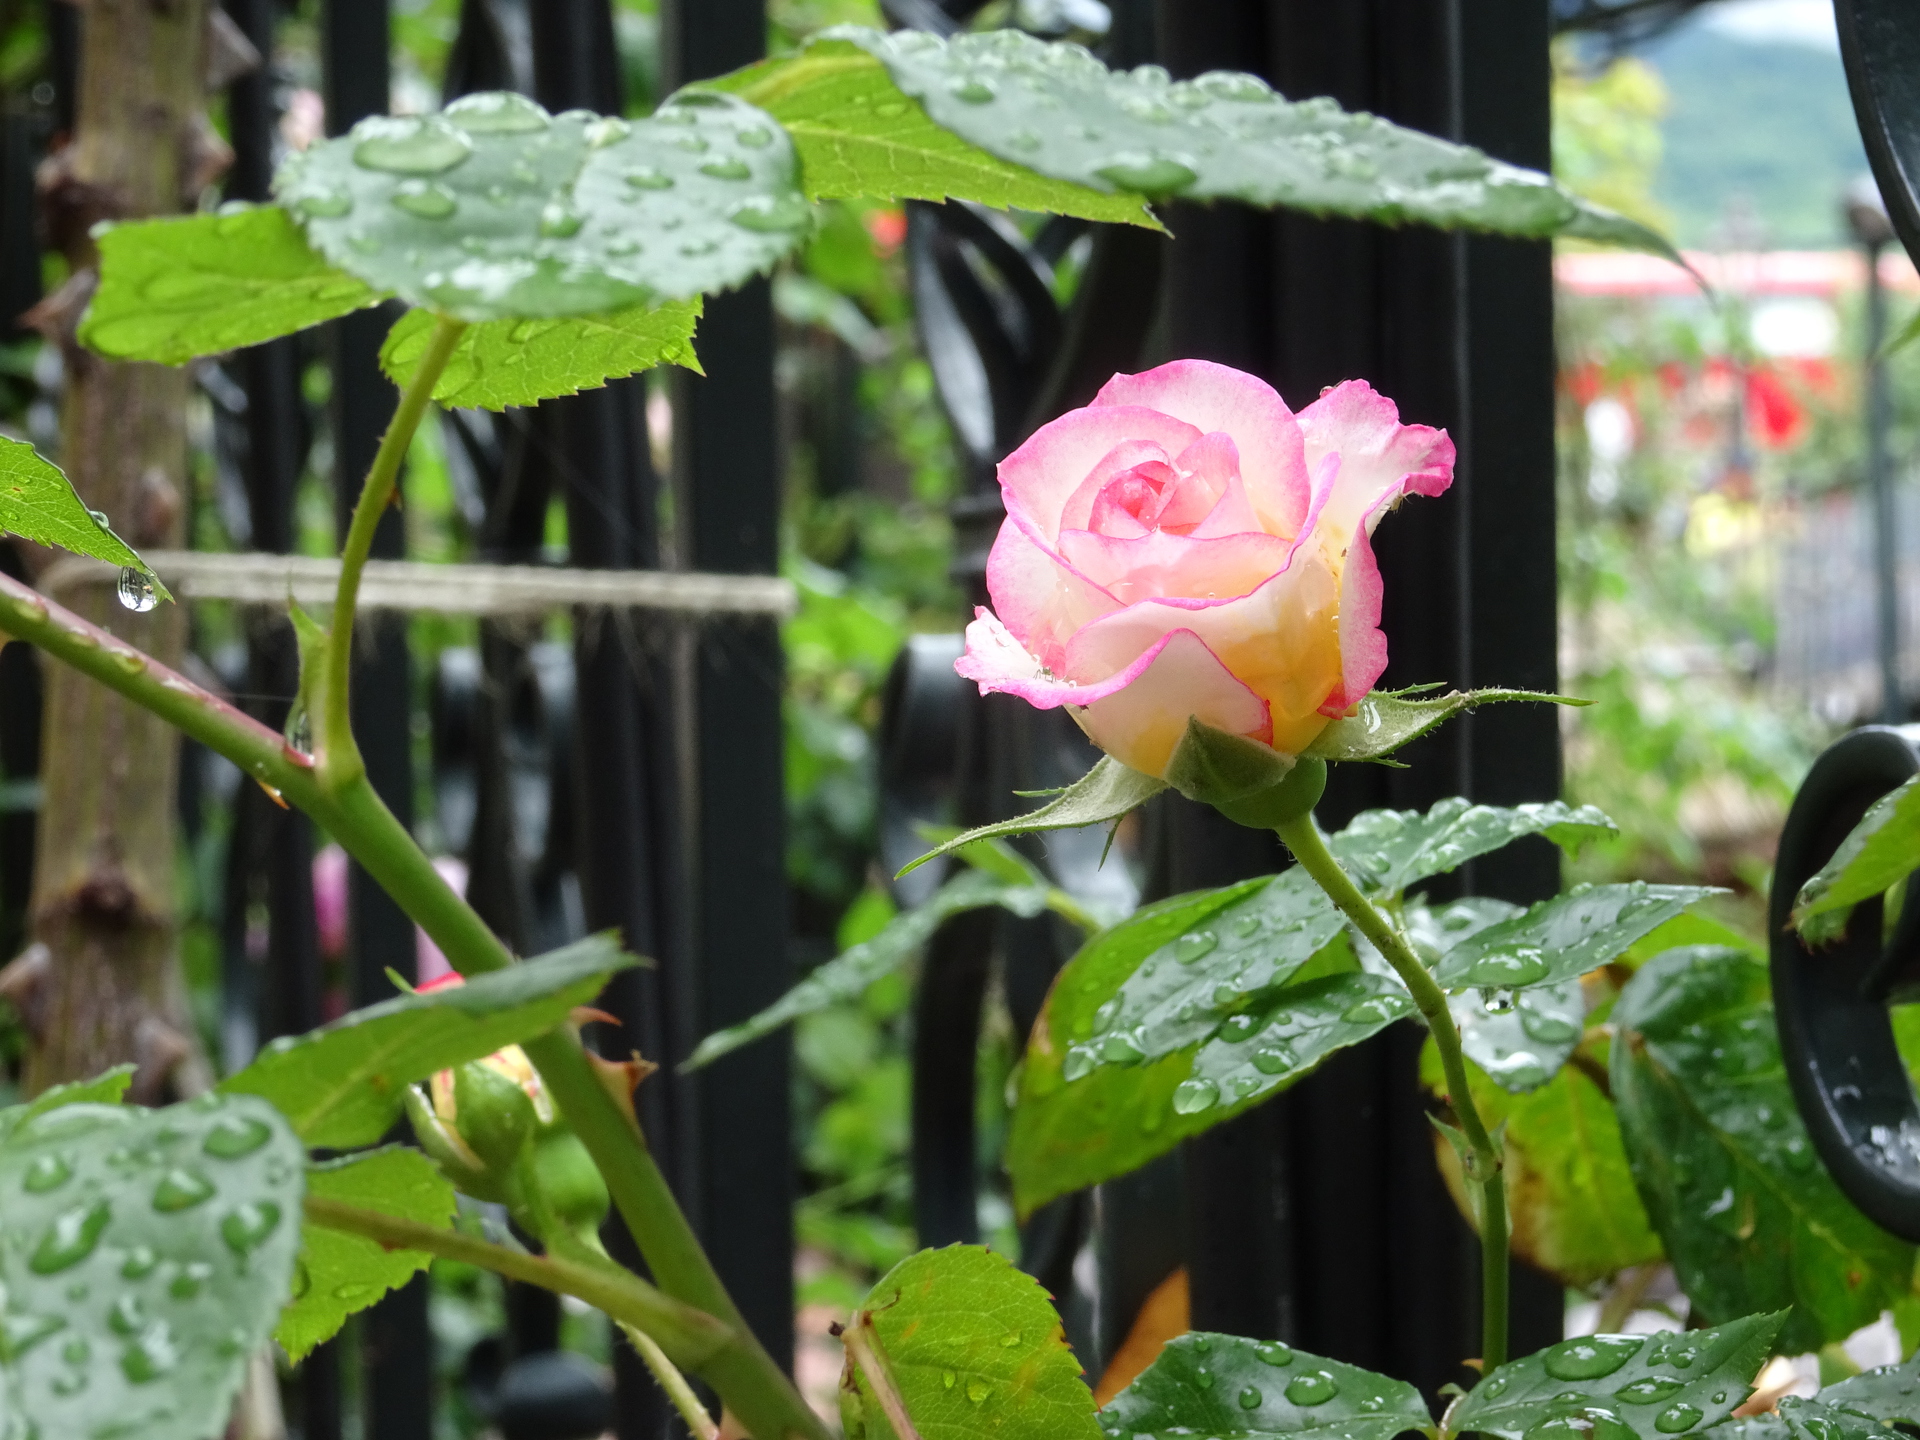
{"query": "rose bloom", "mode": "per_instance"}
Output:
(1188, 547)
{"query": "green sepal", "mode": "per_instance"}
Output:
(1382, 723)
(569, 1182)
(447, 1150)
(1250, 783)
(492, 1113)
(1104, 794)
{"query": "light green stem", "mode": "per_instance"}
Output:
(339, 755)
(672, 1381)
(1309, 847)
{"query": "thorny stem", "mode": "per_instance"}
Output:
(672, 1381)
(339, 754)
(867, 1357)
(1309, 847)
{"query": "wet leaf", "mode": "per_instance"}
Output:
(859, 137)
(109, 1087)
(849, 973)
(1105, 793)
(144, 1255)
(340, 1085)
(38, 503)
(1819, 1420)
(1563, 938)
(184, 286)
(1882, 848)
(492, 209)
(500, 363)
(975, 1350)
(1383, 723)
(1890, 1393)
(1748, 1214)
(1388, 850)
(1608, 1386)
(1239, 1389)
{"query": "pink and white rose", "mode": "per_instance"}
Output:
(1186, 546)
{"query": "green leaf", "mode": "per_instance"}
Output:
(499, 363)
(109, 1087)
(38, 503)
(337, 1273)
(1749, 1216)
(492, 209)
(144, 1255)
(1652, 1386)
(1105, 793)
(1387, 850)
(1817, 1420)
(340, 1085)
(976, 1351)
(1883, 848)
(849, 973)
(1563, 938)
(201, 284)
(1890, 1393)
(1521, 1042)
(858, 136)
(1224, 136)
(1383, 723)
(1239, 1389)
(1570, 1198)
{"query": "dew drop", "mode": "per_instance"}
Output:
(1591, 1356)
(408, 145)
(559, 221)
(1121, 1048)
(1373, 1010)
(1497, 1002)
(1312, 1387)
(49, 1172)
(128, 1316)
(1547, 1029)
(754, 137)
(76, 1352)
(645, 177)
(1246, 927)
(727, 170)
(150, 1357)
(1493, 1388)
(20, 1333)
(693, 249)
(497, 112)
(70, 1239)
(948, 1379)
(608, 130)
(769, 214)
(1273, 1059)
(973, 91)
(1195, 945)
(247, 1226)
(1080, 1062)
(139, 1263)
(424, 199)
(1149, 175)
(358, 1292)
(70, 1384)
(181, 1190)
(136, 592)
(978, 1390)
(1190, 1097)
(1251, 1399)
(1648, 1392)
(1106, 1014)
(187, 1283)
(890, 110)
(1237, 1027)
(1676, 1418)
(233, 1136)
(1522, 966)
(325, 205)
(1274, 1352)
(1203, 1342)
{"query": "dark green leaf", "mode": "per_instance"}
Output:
(858, 136)
(848, 974)
(1383, 723)
(107, 1088)
(1818, 1420)
(1240, 1389)
(520, 362)
(1223, 136)
(340, 1085)
(201, 284)
(975, 1350)
(38, 503)
(1563, 938)
(1070, 1134)
(1387, 850)
(1890, 1393)
(144, 1255)
(494, 210)
(337, 1273)
(1105, 793)
(1749, 1216)
(1570, 1198)
(1652, 1386)
(1882, 848)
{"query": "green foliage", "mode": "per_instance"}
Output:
(492, 209)
(38, 503)
(1104, 794)
(1388, 850)
(337, 1273)
(1223, 136)
(175, 288)
(1816, 1420)
(144, 1256)
(500, 363)
(1881, 850)
(1562, 938)
(1616, 1386)
(1382, 723)
(1749, 1217)
(1890, 1393)
(107, 1088)
(975, 1350)
(340, 1085)
(1240, 1389)
(858, 135)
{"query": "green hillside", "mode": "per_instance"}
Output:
(1767, 123)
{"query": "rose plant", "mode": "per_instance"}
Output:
(1186, 563)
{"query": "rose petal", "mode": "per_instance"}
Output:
(1077, 513)
(1363, 645)
(1042, 599)
(1039, 478)
(997, 662)
(1219, 398)
(1141, 723)
(1380, 459)
(1217, 459)
(1162, 565)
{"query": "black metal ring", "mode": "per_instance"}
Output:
(1830, 1003)
(1880, 45)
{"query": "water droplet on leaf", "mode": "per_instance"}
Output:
(1274, 1352)
(1648, 1392)
(150, 1357)
(1195, 945)
(408, 145)
(1676, 1418)
(49, 1172)
(70, 1239)
(20, 1333)
(973, 91)
(1251, 1399)
(558, 221)
(1591, 1356)
(1502, 969)
(325, 205)
(727, 170)
(424, 199)
(1273, 1059)
(769, 214)
(949, 1379)
(978, 1390)
(1312, 1387)
(1080, 1061)
(136, 592)
(247, 1226)
(233, 1136)
(181, 1190)
(1121, 1048)
(139, 1263)
(1190, 1097)
(128, 1316)
(645, 177)
(497, 112)
(1148, 175)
